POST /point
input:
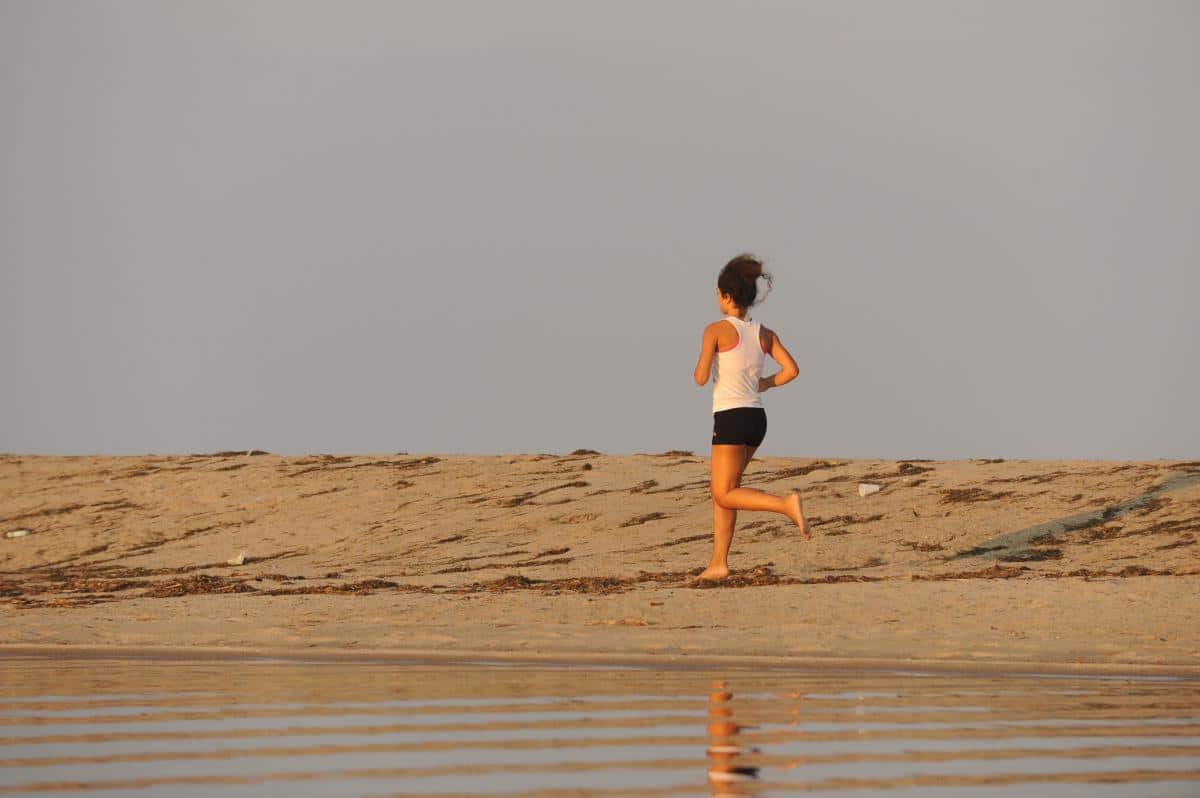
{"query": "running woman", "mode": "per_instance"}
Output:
(739, 346)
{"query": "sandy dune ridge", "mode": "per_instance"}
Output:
(990, 560)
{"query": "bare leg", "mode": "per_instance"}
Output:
(726, 462)
(724, 521)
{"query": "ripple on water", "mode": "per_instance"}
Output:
(149, 728)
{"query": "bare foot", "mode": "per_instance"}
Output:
(714, 573)
(797, 515)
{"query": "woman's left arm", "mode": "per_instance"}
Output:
(787, 371)
(708, 348)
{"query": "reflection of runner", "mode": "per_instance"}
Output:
(723, 748)
(736, 345)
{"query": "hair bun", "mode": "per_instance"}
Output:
(743, 270)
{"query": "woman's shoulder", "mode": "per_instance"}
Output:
(725, 334)
(720, 326)
(766, 337)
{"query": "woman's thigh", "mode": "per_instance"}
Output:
(749, 455)
(728, 462)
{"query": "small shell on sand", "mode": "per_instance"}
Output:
(867, 488)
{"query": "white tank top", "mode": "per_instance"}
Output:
(738, 369)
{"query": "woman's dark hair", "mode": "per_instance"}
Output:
(738, 280)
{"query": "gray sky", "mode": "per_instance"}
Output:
(496, 227)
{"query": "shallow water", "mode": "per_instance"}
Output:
(267, 727)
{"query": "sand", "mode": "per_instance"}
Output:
(1014, 564)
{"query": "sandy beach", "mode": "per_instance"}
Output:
(1018, 564)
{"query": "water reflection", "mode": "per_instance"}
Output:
(237, 728)
(727, 772)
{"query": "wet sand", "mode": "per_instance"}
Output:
(1013, 564)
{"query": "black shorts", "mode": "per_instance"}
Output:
(740, 425)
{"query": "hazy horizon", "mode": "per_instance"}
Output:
(476, 228)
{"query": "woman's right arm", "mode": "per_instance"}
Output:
(787, 367)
